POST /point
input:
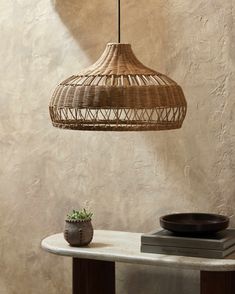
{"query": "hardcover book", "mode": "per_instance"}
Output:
(183, 251)
(219, 241)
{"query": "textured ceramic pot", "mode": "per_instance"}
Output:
(78, 233)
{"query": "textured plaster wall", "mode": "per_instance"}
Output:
(128, 179)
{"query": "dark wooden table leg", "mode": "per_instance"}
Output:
(93, 276)
(217, 282)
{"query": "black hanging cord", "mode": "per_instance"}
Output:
(119, 20)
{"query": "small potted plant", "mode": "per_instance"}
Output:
(78, 228)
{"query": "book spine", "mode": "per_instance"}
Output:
(228, 244)
(182, 251)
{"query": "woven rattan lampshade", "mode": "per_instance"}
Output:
(118, 93)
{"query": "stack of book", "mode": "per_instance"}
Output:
(218, 245)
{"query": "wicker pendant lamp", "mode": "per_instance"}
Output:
(118, 93)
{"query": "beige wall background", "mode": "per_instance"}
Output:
(128, 179)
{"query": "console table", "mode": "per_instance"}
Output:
(94, 265)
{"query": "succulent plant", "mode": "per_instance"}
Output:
(79, 215)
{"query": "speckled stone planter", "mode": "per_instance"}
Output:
(78, 233)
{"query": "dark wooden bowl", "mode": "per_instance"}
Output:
(194, 223)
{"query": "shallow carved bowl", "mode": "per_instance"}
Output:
(194, 223)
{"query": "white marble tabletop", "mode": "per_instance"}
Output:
(125, 247)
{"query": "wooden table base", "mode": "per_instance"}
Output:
(98, 277)
(217, 282)
(93, 276)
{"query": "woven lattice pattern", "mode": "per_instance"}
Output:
(118, 93)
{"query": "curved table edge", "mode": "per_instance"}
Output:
(192, 263)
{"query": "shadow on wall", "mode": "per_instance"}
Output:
(92, 23)
(186, 159)
(149, 280)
